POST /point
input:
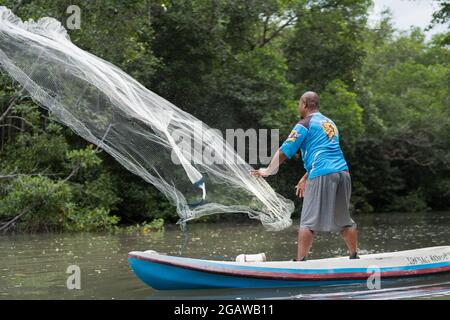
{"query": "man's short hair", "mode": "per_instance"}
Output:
(311, 99)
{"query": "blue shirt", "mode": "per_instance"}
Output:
(318, 139)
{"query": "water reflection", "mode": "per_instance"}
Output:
(427, 287)
(34, 266)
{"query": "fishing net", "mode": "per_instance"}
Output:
(191, 164)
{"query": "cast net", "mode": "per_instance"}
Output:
(191, 164)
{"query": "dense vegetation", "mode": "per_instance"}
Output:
(238, 64)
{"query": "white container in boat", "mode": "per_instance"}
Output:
(260, 257)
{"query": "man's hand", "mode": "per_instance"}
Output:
(274, 164)
(301, 185)
(263, 172)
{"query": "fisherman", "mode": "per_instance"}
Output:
(326, 185)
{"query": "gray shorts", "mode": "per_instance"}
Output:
(326, 203)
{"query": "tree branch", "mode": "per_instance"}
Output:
(265, 29)
(5, 227)
(290, 22)
(11, 105)
(73, 173)
(17, 5)
(10, 176)
(12, 126)
(9, 223)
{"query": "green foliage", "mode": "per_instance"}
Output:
(342, 106)
(86, 158)
(404, 92)
(327, 43)
(413, 201)
(156, 224)
(57, 188)
(50, 206)
(142, 202)
(252, 87)
(442, 16)
(115, 30)
(238, 64)
(99, 192)
(32, 145)
(90, 220)
(153, 230)
(45, 202)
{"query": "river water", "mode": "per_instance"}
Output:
(35, 266)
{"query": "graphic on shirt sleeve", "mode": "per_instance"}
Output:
(293, 136)
(330, 129)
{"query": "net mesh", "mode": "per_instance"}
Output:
(199, 173)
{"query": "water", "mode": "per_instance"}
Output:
(34, 266)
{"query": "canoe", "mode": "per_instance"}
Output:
(163, 272)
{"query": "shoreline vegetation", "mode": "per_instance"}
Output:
(237, 64)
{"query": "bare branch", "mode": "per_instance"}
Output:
(21, 118)
(12, 126)
(17, 5)
(38, 129)
(73, 173)
(10, 176)
(288, 23)
(97, 149)
(265, 28)
(10, 223)
(11, 105)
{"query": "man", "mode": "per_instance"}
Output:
(326, 185)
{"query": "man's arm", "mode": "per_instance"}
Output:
(301, 185)
(275, 163)
(287, 150)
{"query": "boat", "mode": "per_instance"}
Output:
(164, 272)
